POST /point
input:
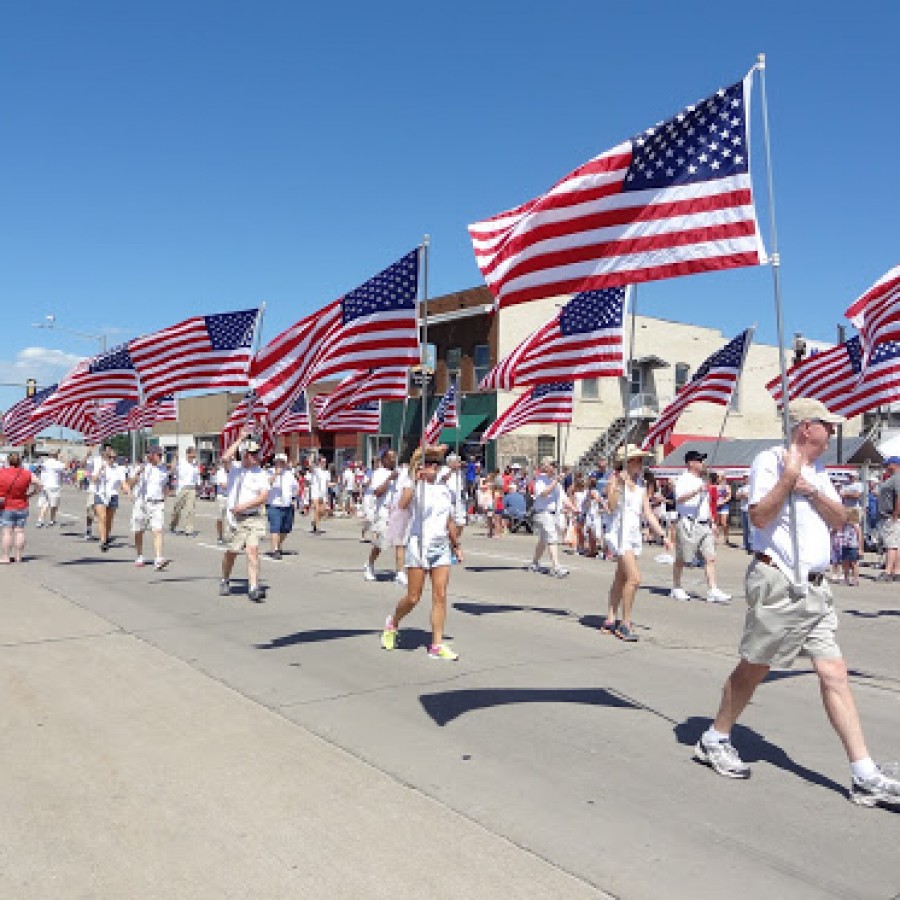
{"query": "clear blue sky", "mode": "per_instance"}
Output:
(165, 159)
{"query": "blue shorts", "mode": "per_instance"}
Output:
(13, 518)
(849, 554)
(112, 504)
(281, 519)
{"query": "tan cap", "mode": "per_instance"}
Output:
(630, 451)
(805, 409)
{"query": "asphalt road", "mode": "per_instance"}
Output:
(569, 744)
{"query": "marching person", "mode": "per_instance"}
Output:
(384, 486)
(147, 484)
(433, 539)
(548, 503)
(283, 490)
(784, 619)
(106, 481)
(17, 485)
(221, 481)
(694, 529)
(453, 476)
(248, 490)
(889, 519)
(629, 503)
(188, 475)
(319, 481)
(51, 479)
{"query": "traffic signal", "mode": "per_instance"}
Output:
(30, 387)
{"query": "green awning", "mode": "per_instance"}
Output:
(467, 424)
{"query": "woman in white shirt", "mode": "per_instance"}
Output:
(280, 503)
(107, 479)
(433, 539)
(629, 503)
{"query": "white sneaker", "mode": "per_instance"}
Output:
(534, 567)
(717, 596)
(368, 574)
(559, 572)
(679, 594)
(139, 562)
(400, 578)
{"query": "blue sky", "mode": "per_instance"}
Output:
(165, 159)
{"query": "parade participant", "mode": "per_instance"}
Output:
(283, 490)
(221, 482)
(147, 484)
(384, 490)
(889, 519)
(743, 495)
(433, 538)
(91, 464)
(367, 503)
(17, 485)
(348, 487)
(693, 529)
(785, 619)
(188, 477)
(51, 479)
(106, 481)
(319, 480)
(629, 503)
(548, 503)
(453, 476)
(723, 507)
(248, 490)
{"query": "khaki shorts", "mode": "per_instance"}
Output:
(778, 627)
(889, 529)
(379, 533)
(545, 526)
(147, 515)
(691, 539)
(248, 531)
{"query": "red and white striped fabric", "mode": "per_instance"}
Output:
(249, 412)
(674, 200)
(877, 314)
(545, 403)
(445, 415)
(363, 417)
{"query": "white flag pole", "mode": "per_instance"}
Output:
(775, 259)
(423, 394)
(631, 293)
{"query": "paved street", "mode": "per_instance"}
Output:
(163, 741)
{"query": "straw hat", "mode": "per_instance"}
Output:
(630, 451)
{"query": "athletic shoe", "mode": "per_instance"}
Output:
(224, 587)
(442, 651)
(679, 594)
(104, 546)
(717, 596)
(275, 554)
(39, 525)
(369, 574)
(139, 562)
(624, 633)
(607, 627)
(723, 758)
(220, 542)
(559, 572)
(256, 594)
(389, 635)
(879, 790)
(161, 564)
(400, 578)
(534, 567)
(88, 536)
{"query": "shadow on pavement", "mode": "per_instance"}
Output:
(753, 748)
(314, 636)
(495, 568)
(870, 614)
(94, 560)
(449, 705)
(484, 609)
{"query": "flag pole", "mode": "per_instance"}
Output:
(256, 342)
(775, 260)
(423, 394)
(632, 292)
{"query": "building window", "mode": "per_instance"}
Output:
(637, 381)
(590, 389)
(482, 358)
(454, 360)
(546, 446)
(682, 374)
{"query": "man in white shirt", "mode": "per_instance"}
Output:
(384, 485)
(319, 479)
(548, 503)
(188, 477)
(283, 490)
(348, 487)
(693, 529)
(51, 479)
(454, 477)
(248, 490)
(147, 483)
(221, 481)
(786, 619)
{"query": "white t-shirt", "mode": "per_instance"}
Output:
(283, 489)
(245, 485)
(221, 482)
(109, 480)
(551, 501)
(431, 508)
(188, 475)
(151, 483)
(348, 479)
(318, 483)
(813, 533)
(697, 507)
(386, 501)
(51, 473)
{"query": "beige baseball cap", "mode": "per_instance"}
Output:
(805, 409)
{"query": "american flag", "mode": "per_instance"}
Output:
(79, 417)
(363, 386)
(713, 382)
(444, 416)
(833, 377)
(19, 427)
(373, 326)
(197, 354)
(674, 200)
(252, 413)
(550, 402)
(297, 418)
(163, 410)
(364, 417)
(877, 313)
(583, 340)
(109, 375)
(115, 418)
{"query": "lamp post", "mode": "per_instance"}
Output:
(50, 322)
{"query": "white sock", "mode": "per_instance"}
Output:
(863, 769)
(711, 736)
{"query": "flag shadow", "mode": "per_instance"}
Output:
(314, 636)
(485, 609)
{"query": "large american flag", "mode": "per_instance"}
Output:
(877, 313)
(202, 353)
(583, 340)
(297, 418)
(107, 376)
(19, 426)
(833, 377)
(551, 402)
(115, 418)
(373, 326)
(252, 413)
(713, 382)
(364, 417)
(363, 386)
(445, 415)
(674, 200)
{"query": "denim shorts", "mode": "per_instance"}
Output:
(281, 519)
(113, 502)
(13, 518)
(436, 555)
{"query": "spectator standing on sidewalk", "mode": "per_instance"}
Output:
(17, 485)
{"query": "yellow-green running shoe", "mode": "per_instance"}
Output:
(389, 635)
(442, 651)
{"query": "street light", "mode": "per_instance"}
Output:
(50, 322)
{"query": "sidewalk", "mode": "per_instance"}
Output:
(128, 773)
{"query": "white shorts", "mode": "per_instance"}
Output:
(48, 497)
(545, 524)
(147, 515)
(631, 541)
(436, 555)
